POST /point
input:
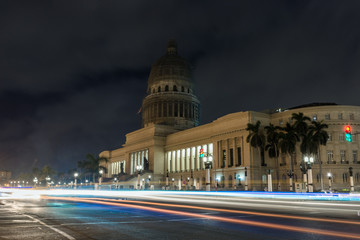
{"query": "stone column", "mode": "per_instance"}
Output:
(235, 152)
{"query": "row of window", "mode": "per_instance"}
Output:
(341, 137)
(187, 159)
(167, 89)
(334, 179)
(117, 167)
(171, 109)
(314, 117)
(231, 159)
(139, 158)
(342, 156)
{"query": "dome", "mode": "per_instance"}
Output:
(170, 67)
(170, 99)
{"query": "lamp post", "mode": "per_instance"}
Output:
(167, 180)
(246, 180)
(269, 181)
(101, 171)
(138, 168)
(208, 163)
(75, 176)
(303, 170)
(173, 183)
(48, 180)
(351, 179)
(116, 182)
(308, 161)
(149, 182)
(329, 176)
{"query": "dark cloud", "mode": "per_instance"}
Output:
(74, 73)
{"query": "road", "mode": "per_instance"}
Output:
(173, 215)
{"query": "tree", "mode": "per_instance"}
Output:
(300, 124)
(272, 146)
(320, 137)
(92, 165)
(256, 138)
(287, 144)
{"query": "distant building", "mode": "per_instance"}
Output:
(171, 138)
(5, 176)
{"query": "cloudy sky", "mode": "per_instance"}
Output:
(73, 73)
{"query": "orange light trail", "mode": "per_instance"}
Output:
(235, 211)
(223, 219)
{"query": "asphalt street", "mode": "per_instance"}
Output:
(169, 216)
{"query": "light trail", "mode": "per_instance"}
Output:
(234, 211)
(216, 218)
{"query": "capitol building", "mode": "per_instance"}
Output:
(168, 145)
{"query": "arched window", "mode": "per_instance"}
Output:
(174, 88)
(166, 88)
(182, 89)
(159, 89)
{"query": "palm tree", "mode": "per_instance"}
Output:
(300, 124)
(272, 146)
(256, 138)
(92, 165)
(320, 137)
(287, 144)
(47, 171)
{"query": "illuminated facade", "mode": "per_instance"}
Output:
(170, 141)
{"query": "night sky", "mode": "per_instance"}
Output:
(73, 73)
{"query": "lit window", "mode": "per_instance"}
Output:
(314, 117)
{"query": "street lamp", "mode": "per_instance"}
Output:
(101, 171)
(167, 180)
(149, 181)
(351, 179)
(308, 161)
(246, 179)
(138, 168)
(208, 163)
(217, 182)
(329, 176)
(173, 183)
(47, 180)
(75, 176)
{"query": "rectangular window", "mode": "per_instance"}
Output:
(354, 153)
(327, 116)
(239, 156)
(170, 109)
(231, 157)
(181, 109)
(223, 159)
(330, 156)
(340, 116)
(330, 137)
(342, 156)
(351, 116)
(341, 137)
(176, 109)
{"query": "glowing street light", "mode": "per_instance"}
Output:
(330, 180)
(75, 176)
(138, 168)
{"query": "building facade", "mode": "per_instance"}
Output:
(167, 147)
